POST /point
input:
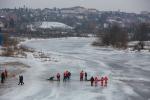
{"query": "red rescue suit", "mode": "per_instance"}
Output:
(96, 81)
(58, 76)
(81, 76)
(105, 80)
(102, 81)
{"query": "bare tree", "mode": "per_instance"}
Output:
(142, 32)
(116, 37)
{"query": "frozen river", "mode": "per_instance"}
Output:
(128, 72)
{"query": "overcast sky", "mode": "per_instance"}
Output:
(113, 5)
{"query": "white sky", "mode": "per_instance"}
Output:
(113, 5)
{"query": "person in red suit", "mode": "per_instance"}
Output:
(81, 75)
(105, 81)
(96, 81)
(102, 81)
(6, 73)
(58, 77)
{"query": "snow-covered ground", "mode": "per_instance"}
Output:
(128, 72)
(52, 25)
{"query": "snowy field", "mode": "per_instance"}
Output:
(52, 25)
(128, 72)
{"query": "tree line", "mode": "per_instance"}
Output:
(119, 37)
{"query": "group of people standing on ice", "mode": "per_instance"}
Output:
(82, 74)
(103, 81)
(4, 75)
(66, 76)
(94, 80)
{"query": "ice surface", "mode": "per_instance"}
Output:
(128, 72)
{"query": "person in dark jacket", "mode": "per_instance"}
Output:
(85, 76)
(2, 77)
(69, 75)
(92, 80)
(21, 80)
(51, 78)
